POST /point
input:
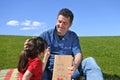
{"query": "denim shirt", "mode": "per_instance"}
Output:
(66, 45)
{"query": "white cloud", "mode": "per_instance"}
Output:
(13, 23)
(36, 23)
(28, 28)
(31, 25)
(27, 24)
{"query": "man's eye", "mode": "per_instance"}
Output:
(65, 23)
(60, 21)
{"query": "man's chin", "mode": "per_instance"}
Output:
(60, 31)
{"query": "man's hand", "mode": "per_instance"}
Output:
(71, 70)
(76, 62)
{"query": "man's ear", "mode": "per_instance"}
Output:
(70, 24)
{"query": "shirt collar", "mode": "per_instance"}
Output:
(60, 38)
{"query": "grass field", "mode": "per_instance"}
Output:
(106, 51)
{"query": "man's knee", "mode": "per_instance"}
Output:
(90, 63)
(91, 60)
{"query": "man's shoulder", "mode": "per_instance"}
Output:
(70, 32)
(47, 32)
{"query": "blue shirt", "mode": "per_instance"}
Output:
(66, 45)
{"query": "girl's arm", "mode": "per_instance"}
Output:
(45, 59)
(27, 75)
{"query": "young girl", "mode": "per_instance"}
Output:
(29, 64)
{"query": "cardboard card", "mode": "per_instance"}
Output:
(61, 64)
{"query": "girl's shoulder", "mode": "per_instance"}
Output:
(34, 60)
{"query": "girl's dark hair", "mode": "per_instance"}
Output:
(67, 13)
(34, 47)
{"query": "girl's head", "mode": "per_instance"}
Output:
(34, 47)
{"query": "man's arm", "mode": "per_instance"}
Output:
(76, 62)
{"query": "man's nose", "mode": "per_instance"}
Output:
(61, 24)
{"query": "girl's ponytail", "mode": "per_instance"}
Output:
(23, 59)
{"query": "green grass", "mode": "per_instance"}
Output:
(10, 47)
(106, 51)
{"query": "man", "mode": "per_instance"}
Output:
(62, 41)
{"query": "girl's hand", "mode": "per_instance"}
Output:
(26, 43)
(45, 59)
(47, 52)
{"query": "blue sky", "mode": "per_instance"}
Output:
(32, 17)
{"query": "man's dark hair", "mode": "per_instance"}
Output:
(67, 13)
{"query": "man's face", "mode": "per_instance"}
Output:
(62, 25)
